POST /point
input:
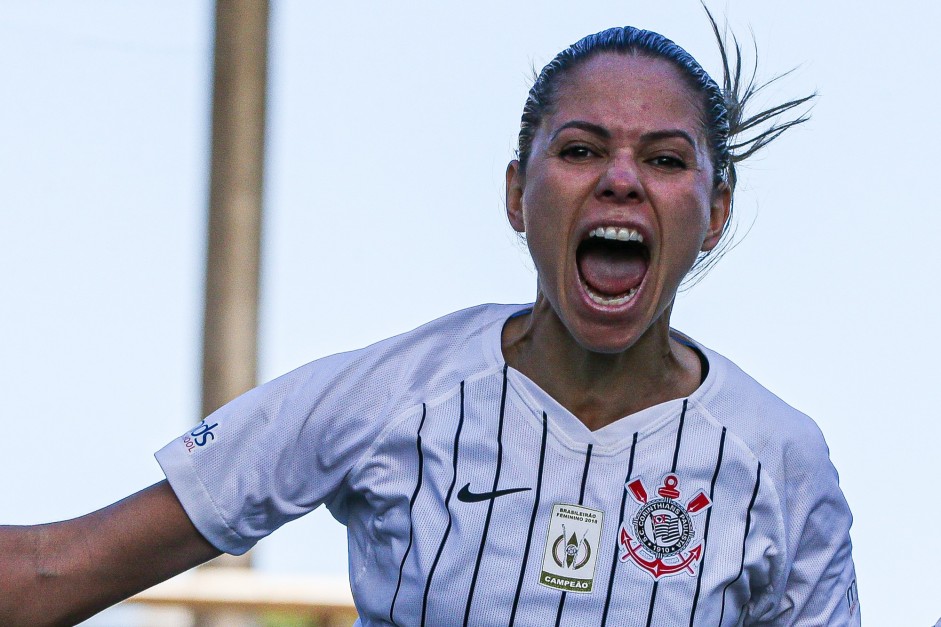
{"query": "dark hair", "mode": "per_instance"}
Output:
(723, 108)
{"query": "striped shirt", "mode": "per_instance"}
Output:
(473, 497)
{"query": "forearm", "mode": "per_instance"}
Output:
(21, 572)
(37, 583)
(61, 573)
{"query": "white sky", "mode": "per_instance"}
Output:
(389, 128)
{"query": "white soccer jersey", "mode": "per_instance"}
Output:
(472, 497)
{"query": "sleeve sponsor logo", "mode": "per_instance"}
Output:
(200, 436)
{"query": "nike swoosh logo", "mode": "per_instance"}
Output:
(466, 496)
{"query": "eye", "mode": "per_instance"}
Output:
(577, 152)
(669, 162)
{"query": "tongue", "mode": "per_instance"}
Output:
(611, 272)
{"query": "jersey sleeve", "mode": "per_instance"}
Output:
(280, 450)
(819, 586)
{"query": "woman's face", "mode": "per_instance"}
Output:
(618, 198)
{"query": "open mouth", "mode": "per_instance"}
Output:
(612, 262)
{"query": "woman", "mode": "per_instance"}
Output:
(573, 461)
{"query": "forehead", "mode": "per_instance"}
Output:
(627, 94)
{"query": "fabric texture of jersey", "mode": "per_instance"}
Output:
(471, 496)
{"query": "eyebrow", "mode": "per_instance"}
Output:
(669, 134)
(594, 129)
(604, 133)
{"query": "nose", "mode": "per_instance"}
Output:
(620, 182)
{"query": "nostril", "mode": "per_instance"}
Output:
(629, 195)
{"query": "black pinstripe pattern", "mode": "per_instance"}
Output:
(581, 493)
(496, 483)
(614, 558)
(741, 568)
(705, 534)
(447, 505)
(581, 498)
(532, 520)
(653, 600)
(679, 436)
(676, 456)
(411, 504)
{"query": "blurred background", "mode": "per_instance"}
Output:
(389, 128)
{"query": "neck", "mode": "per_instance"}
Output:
(600, 388)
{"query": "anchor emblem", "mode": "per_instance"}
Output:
(659, 534)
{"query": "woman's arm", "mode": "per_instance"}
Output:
(64, 572)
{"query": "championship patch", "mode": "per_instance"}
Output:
(658, 537)
(571, 548)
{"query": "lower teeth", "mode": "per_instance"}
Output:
(610, 300)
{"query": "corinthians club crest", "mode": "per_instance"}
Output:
(656, 539)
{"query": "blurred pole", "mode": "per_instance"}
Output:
(235, 197)
(235, 194)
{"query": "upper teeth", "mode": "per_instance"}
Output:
(619, 233)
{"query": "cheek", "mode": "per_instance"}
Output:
(537, 211)
(549, 198)
(540, 244)
(544, 240)
(685, 230)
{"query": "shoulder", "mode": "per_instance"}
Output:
(458, 344)
(393, 374)
(768, 425)
(795, 465)
(794, 456)
(361, 390)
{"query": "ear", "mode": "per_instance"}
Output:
(514, 196)
(719, 210)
